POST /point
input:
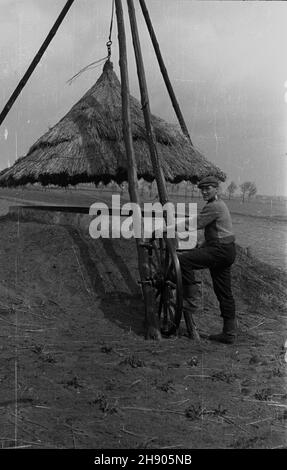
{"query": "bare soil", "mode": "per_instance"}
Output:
(76, 371)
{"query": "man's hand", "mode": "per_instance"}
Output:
(159, 232)
(200, 244)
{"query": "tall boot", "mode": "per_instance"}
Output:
(191, 306)
(228, 334)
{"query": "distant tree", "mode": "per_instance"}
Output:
(192, 189)
(248, 188)
(231, 189)
(123, 187)
(150, 189)
(244, 189)
(252, 190)
(186, 188)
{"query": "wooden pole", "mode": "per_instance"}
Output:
(145, 106)
(152, 325)
(164, 71)
(35, 61)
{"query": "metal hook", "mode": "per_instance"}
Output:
(109, 44)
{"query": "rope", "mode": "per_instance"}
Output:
(98, 62)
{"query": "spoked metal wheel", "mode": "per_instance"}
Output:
(166, 278)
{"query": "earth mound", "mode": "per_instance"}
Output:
(76, 371)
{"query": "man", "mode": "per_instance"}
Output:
(217, 253)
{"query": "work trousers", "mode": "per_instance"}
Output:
(218, 258)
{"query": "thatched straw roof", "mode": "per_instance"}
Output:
(87, 145)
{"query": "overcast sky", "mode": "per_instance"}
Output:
(226, 60)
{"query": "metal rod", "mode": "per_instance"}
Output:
(163, 69)
(34, 62)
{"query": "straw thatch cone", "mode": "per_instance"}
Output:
(87, 145)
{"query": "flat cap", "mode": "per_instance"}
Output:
(208, 181)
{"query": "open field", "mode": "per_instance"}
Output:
(265, 236)
(87, 194)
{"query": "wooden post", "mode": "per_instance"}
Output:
(152, 325)
(145, 106)
(164, 71)
(35, 61)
